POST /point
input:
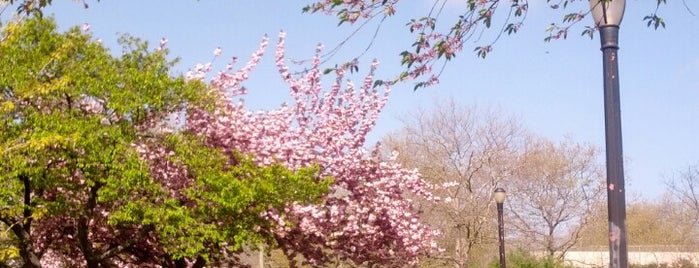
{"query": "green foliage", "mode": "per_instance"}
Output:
(678, 263)
(523, 259)
(229, 198)
(654, 265)
(49, 132)
(71, 115)
(654, 20)
(8, 252)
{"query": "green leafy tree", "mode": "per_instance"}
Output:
(79, 187)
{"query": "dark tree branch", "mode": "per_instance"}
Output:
(126, 244)
(27, 211)
(25, 243)
(84, 227)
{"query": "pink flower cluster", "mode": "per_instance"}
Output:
(367, 217)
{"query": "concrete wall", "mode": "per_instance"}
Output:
(601, 258)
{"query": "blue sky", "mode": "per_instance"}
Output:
(554, 88)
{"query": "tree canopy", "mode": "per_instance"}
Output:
(84, 141)
(115, 161)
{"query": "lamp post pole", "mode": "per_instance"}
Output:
(500, 195)
(608, 15)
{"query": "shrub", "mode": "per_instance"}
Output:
(523, 259)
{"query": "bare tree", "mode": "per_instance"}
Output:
(553, 188)
(683, 191)
(684, 187)
(558, 188)
(468, 150)
(660, 224)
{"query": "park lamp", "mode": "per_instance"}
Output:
(607, 12)
(607, 15)
(499, 195)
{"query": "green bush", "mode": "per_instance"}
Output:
(678, 263)
(654, 265)
(523, 259)
(683, 263)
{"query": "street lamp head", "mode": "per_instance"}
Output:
(499, 195)
(607, 12)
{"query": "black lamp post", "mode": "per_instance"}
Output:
(608, 15)
(500, 195)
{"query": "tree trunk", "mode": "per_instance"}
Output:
(199, 263)
(26, 247)
(91, 257)
(180, 263)
(21, 228)
(457, 253)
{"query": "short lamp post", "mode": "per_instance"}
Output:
(500, 195)
(607, 15)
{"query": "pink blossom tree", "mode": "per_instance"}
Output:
(367, 218)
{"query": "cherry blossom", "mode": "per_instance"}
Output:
(367, 218)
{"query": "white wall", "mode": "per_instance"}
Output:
(601, 258)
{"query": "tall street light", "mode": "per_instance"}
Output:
(500, 195)
(608, 15)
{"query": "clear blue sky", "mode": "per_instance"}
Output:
(555, 88)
